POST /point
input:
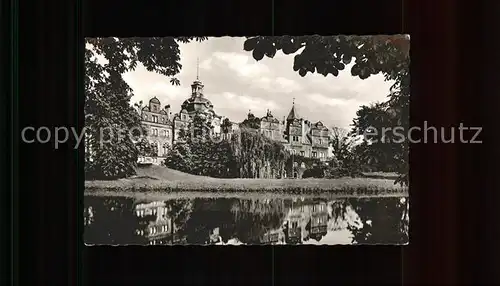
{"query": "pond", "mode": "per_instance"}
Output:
(232, 221)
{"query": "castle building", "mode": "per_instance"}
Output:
(298, 135)
(306, 138)
(158, 123)
(162, 127)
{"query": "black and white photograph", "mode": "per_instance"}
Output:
(261, 140)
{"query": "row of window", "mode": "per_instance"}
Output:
(319, 220)
(158, 229)
(164, 133)
(314, 154)
(297, 138)
(318, 208)
(268, 133)
(154, 118)
(315, 208)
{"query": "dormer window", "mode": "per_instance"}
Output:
(145, 117)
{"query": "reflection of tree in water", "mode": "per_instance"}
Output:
(253, 218)
(389, 221)
(246, 220)
(339, 209)
(114, 221)
(207, 214)
(180, 211)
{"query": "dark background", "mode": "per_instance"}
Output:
(454, 188)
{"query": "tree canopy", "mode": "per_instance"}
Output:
(251, 122)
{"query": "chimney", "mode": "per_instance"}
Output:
(167, 110)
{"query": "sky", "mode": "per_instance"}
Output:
(236, 83)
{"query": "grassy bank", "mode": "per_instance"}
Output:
(156, 179)
(381, 175)
(163, 196)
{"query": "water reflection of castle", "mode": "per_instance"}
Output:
(303, 221)
(155, 224)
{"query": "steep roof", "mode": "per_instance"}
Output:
(293, 114)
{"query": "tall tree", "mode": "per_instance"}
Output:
(107, 96)
(388, 55)
(342, 144)
(383, 148)
(251, 122)
(226, 126)
(109, 121)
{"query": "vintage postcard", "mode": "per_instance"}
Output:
(247, 140)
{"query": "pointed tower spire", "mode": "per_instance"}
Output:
(293, 112)
(197, 68)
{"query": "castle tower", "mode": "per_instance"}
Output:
(294, 126)
(198, 105)
(197, 85)
(293, 115)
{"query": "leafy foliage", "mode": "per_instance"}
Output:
(345, 162)
(107, 97)
(247, 154)
(251, 122)
(371, 55)
(257, 156)
(144, 148)
(226, 126)
(316, 171)
(111, 152)
(180, 157)
(385, 147)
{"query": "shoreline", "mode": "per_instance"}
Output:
(245, 184)
(155, 195)
(341, 187)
